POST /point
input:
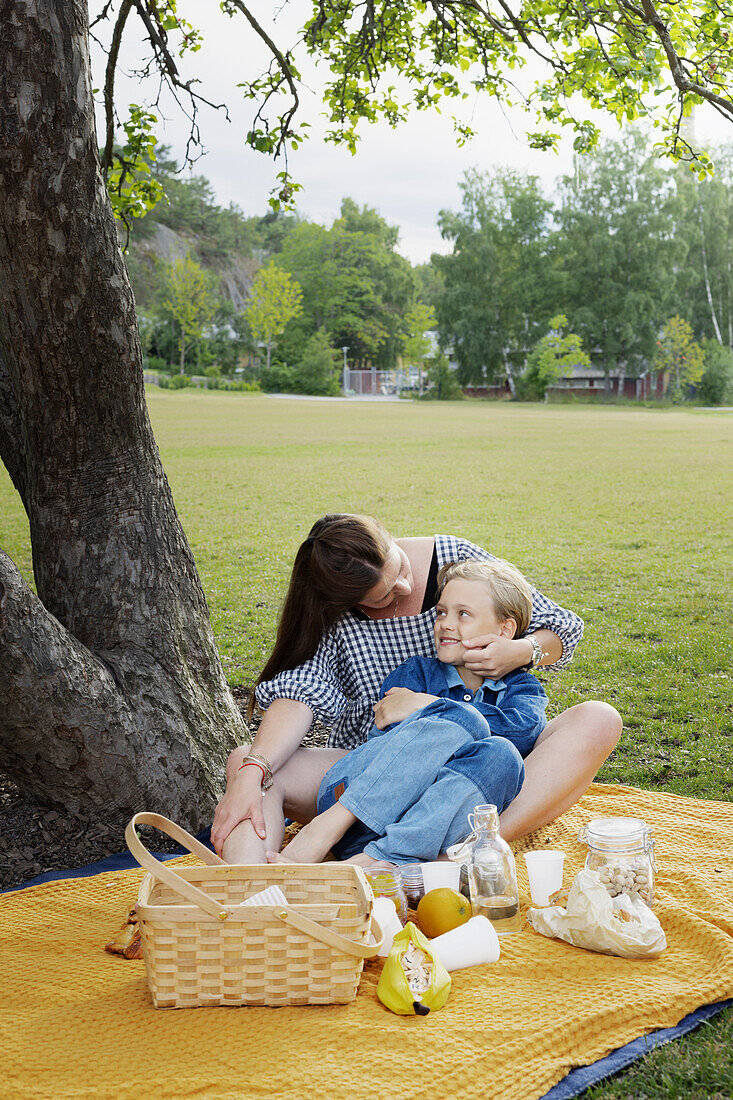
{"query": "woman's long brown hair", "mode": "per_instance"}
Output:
(342, 558)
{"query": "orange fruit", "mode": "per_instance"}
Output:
(442, 909)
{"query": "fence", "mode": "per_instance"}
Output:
(379, 383)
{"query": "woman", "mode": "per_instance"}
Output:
(360, 603)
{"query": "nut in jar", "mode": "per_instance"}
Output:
(621, 850)
(629, 877)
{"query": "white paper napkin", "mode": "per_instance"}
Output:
(273, 895)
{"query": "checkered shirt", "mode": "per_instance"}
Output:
(342, 680)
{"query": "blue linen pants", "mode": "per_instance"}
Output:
(413, 787)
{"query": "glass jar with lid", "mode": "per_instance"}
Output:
(412, 883)
(621, 850)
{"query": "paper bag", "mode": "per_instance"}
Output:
(596, 921)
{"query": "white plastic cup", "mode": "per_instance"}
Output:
(471, 944)
(389, 922)
(545, 871)
(441, 873)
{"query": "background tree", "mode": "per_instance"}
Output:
(716, 384)
(553, 355)
(191, 298)
(443, 384)
(417, 344)
(498, 286)
(274, 302)
(705, 281)
(317, 371)
(355, 285)
(679, 356)
(618, 253)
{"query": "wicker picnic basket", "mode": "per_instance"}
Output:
(202, 946)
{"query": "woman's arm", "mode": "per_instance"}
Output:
(557, 630)
(290, 701)
(283, 727)
(495, 656)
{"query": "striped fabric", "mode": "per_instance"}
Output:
(342, 680)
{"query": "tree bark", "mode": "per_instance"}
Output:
(113, 695)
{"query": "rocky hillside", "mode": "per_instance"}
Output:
(160, 243)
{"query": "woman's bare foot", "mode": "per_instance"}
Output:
(279, 857)
(316, 839)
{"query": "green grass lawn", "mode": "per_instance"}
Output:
(624, 515)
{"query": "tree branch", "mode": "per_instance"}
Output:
(168, 65)
(285, 69)
(651, 16)
(109, 86)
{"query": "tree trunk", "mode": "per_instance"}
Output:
(706, 275)
(182, 360)
(509, 373)
(621, 377)
(113, 697)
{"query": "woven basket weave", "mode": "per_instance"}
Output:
(203, 947)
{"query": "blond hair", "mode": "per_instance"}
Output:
(510, 592)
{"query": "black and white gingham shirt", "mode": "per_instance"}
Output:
(342, 680)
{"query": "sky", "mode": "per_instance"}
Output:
(408, 174)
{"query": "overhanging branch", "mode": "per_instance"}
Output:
(109, 86)
(681, 79)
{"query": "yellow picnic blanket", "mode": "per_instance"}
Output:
(77, 1022)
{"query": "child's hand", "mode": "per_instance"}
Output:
(494, 655)
(398, 704)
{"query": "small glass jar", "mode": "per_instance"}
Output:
(387, 883)
(621, 850)
(412, 883)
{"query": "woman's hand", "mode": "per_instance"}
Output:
(494, 655)
(398, 704)
(241, 802)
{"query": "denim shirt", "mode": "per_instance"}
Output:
(514, 706)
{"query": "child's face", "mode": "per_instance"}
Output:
(465, 611)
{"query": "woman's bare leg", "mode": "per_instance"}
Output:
(293, 794)
(562, 766)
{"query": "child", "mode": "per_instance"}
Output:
(445, 738)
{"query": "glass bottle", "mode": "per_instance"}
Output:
(492, 873)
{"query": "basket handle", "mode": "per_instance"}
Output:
(213, 908)
(167, 874)
(333, 939)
